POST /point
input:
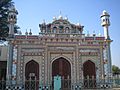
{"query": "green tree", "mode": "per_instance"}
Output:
(115, 70)
(4, 8)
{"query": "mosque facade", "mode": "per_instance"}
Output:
(61, 49)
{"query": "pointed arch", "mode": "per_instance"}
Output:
(89, 69)
(61, 67)
(32, 68)
(89, 73)
(61, 56)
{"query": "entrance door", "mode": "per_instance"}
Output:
(32, 75)
(61, 67)
(89, 73)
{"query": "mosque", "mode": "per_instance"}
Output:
(61, 49)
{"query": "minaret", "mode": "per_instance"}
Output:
(107, 57)
(105, 23)
(12, 19)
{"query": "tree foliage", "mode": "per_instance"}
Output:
(115, 70)
(4, 8)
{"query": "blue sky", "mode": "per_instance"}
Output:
(85, 12)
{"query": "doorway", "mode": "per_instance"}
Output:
(32, 75)
(89, 73)
(62, 67)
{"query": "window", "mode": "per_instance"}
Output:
(103, 20)
(54, 29)
(61, 29)
(67, 30)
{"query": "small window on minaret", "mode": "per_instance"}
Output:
(103, 20)
(106, 20)
(14, 17)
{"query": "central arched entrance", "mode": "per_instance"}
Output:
(61, 67)
(89, 73)
(32, 75)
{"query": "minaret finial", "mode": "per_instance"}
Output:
(99, 34)
(94, 33)
(60, 16)
(26, 33)
(88, 33)
(30, 33)
(60, 13)
(44, 20)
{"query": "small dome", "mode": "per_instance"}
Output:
(54, 18)
(105, 13)
(60, 17)
(99, 34)
(66, 18)
(78, 24)
(12, 9)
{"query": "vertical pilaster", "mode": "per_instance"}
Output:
(109, 64)
(77, 65)
(9, 63)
